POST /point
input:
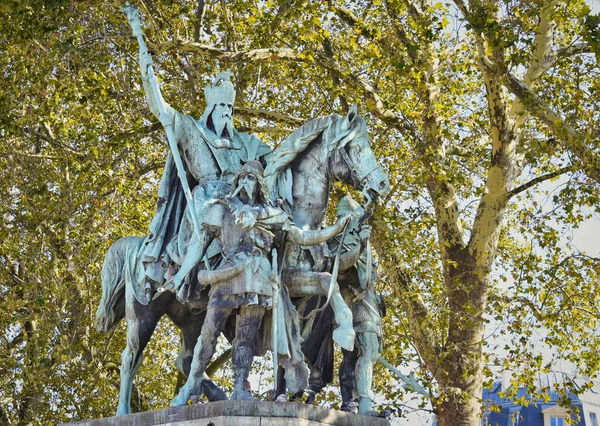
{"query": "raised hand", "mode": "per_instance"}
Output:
(133, 16)
(365, 232)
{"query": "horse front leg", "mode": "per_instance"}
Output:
(347, 378)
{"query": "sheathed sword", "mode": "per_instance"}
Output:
(276, 282)
(134, 21)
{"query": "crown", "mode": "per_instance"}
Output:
(221, 90)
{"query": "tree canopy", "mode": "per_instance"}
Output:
(471, 103)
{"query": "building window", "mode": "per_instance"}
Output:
(514, 419)
(594, 419)
(557, 421)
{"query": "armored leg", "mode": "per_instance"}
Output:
(368, 347)
(190, 325)
(203, 353)
(243, 349)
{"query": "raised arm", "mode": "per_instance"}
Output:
(157, 104)
(314, 237)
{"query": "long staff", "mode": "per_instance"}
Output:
(165, 119)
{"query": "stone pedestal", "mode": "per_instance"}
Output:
(240, 413)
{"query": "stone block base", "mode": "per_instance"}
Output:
(239, 413)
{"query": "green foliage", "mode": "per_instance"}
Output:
(81, 157)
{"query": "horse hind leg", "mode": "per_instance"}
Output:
(191, 326)
(138, 335)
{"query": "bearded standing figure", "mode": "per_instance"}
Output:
(247, 226)
(212, 152)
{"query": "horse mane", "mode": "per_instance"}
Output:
(334, 129)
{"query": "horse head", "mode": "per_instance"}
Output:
(352, 160)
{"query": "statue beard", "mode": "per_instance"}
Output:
(223, 127)
(247, 191)
(244, 214)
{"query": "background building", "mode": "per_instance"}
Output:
(584, 409)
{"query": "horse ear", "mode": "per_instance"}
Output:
(352, 112)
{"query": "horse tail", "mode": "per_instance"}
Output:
(112, 304)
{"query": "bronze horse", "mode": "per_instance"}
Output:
(300, 172)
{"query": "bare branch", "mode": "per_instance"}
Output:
(419, 319)
(199, 27)
(575, 49)
(216, 53)
(540, 179)
(329, 52)
(573, 141)
(566, 52)
(270, 115)
(231, 36)
(264, 129)
(143, 131)
(373, 101)
(155, 165)
(218, 363)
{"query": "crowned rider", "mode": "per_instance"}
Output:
(247, 226)
(212, 152)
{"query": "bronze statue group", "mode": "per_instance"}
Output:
(237, 246)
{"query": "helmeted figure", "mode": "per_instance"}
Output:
(247, 226)
(358, 291)
(357, 287)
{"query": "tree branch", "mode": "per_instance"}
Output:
(540, 179)
(419, 319)
(374, 102)
(575, 142)
(563, 53)
(218, 363)
(574, 49)
(270, 115)
(264, 129)
(199, 27)
(216, 53)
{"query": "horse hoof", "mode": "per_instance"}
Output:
(122, 411)
(350, 407)
(282, 398)
(179, 401)
(344, 336)
(311, 398)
